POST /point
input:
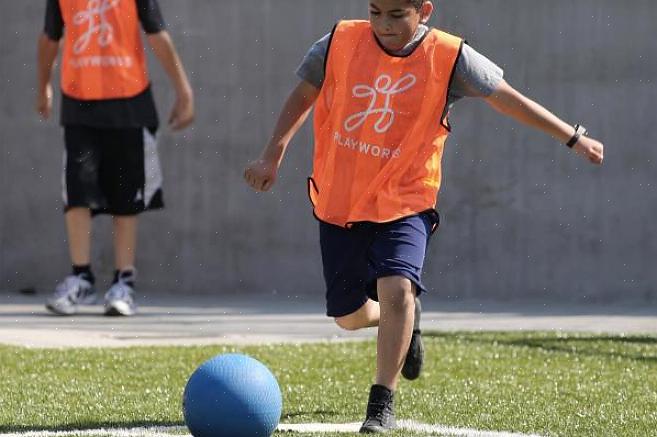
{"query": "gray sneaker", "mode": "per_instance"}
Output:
(120, 298)
(71, 292)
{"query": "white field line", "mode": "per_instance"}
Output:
(430, 430)
(160, 431)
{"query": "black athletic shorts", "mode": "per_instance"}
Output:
(111, 171)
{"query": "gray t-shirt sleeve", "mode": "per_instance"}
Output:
(312, 67)
(475, 75)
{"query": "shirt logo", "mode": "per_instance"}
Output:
(382, 86)
(94, 18)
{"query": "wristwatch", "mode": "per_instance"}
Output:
(579, 131)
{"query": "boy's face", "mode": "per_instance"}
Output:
(394, 22)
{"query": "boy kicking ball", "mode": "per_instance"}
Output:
(381, 90)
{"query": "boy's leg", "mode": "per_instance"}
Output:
(80, 191)
(381, 262)
(125, 241)
(368, 316)
(119, 299)
(397, 303)
(77, 288)
(78, 226)
(131, 180)
(396, 257)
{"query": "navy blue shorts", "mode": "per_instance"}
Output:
(355, 258)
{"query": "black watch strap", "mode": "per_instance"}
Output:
(579, 131)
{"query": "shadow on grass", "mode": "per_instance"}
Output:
(576, 344)
(82, 426)
(296, 414)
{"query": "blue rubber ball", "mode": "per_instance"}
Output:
(232, 395)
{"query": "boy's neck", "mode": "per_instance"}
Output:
(421, 30)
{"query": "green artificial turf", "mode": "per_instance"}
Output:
(543, 383)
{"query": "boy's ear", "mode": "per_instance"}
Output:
(425, 12)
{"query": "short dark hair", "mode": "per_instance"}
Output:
(417, 4)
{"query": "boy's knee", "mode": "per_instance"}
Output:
(347, 323)
(396, 291)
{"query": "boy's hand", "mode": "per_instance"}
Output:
(591, 149)
(44, 102)
(261, 174)
(182, 114)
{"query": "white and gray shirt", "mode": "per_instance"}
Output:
(474, 75)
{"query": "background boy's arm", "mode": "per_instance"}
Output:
(47, 51)
(508, 101)
(182, 114)
(261, 173)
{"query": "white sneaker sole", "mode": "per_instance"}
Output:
(119, 308)
(60, 311)
(52, 306)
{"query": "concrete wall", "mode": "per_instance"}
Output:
(522, 217)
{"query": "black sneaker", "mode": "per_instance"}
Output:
(380, 411)
(415, 355)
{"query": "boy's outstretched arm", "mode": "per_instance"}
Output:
(261, 173)
(182, 114)
(47, 51)
(508, 101)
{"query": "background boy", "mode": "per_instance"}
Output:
(381, 92)
(110, 123)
